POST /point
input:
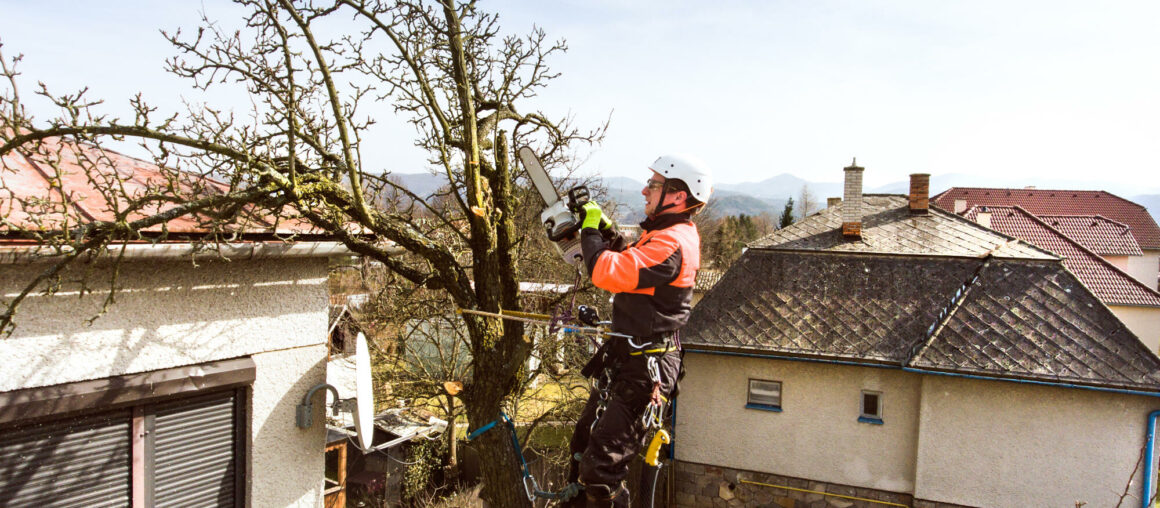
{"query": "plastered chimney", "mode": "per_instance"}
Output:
(983, 217)
(960, 206)
(832, 202)
(852, 202)
(920, 193)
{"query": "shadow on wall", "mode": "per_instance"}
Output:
(286, 463)
(165, 314)
(152, 294)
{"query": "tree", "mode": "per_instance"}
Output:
(729, 236)
(444, 67)
(806, 202)
(786, 217)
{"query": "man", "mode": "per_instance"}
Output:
(653, 282)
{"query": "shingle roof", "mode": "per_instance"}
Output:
(1062, 202)
(1014, 318)
(1035, 321)
(1107, 282)
(889, 227)
(1100, 235)
(1013, 311)
(706, 279)
(835, 304)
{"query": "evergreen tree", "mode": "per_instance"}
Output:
(786, 215)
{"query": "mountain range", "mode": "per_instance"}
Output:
(769, 196)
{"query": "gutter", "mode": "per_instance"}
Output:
(184, 250)
(1149, 470)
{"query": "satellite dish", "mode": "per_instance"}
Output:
(362, 405)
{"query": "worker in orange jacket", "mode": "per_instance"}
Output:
(653, 284)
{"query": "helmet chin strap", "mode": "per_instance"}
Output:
(661, 206)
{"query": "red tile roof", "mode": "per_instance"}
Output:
(1110, 284)
(1061, 202)
(29, 175)
(1101, 235)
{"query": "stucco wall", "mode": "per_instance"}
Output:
(1143, 321)
(166, 314)
(816, 436)
(994, 443)
(1145, 268)
(171, 313)
(286, 462)
(1120, 262)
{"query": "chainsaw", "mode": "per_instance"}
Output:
(559, 216)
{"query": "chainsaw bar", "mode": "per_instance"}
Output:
(539, 176)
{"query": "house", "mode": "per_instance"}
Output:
(1132, 301)
(183, 392)
(887, 353)
(376, 477)
(1080, 212)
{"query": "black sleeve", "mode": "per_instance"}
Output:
(592, 243)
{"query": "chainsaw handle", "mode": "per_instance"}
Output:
(578, 196)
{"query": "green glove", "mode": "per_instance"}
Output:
(593, 217)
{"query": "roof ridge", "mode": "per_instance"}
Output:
(947, 313)
(964, 219)
(1099, 259)
(1100, 191)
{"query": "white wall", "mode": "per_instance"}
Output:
(996, 443)
(166, 314)
(1144, 322)
(1145, 268)
(816, 436)
(171, 313)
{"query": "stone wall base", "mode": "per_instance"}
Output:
(701, 485)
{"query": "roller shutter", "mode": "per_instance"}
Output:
(77, 462)
(194, 450)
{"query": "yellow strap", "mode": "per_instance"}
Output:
(665, 349)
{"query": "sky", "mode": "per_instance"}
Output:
(999, 90)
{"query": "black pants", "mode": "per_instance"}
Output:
(607, 448)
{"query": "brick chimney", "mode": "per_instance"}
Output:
(920, 193)
(832, 202)
(852, 202)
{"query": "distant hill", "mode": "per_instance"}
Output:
(768, 196)
(784, 186)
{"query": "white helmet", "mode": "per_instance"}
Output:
(691, 170)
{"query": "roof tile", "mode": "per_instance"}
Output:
(1108, 282)
(1061, 202)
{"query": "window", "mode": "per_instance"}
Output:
(871, 407)
(764, 395)
(148, 439)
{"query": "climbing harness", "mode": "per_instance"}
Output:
(531, 488)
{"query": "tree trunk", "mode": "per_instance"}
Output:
(499, 466)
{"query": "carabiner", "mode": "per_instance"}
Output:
(654, 369)
(530, 490)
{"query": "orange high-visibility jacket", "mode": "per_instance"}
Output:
(652, 278)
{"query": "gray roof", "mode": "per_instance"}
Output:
(889, 227)
(1021, 317)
